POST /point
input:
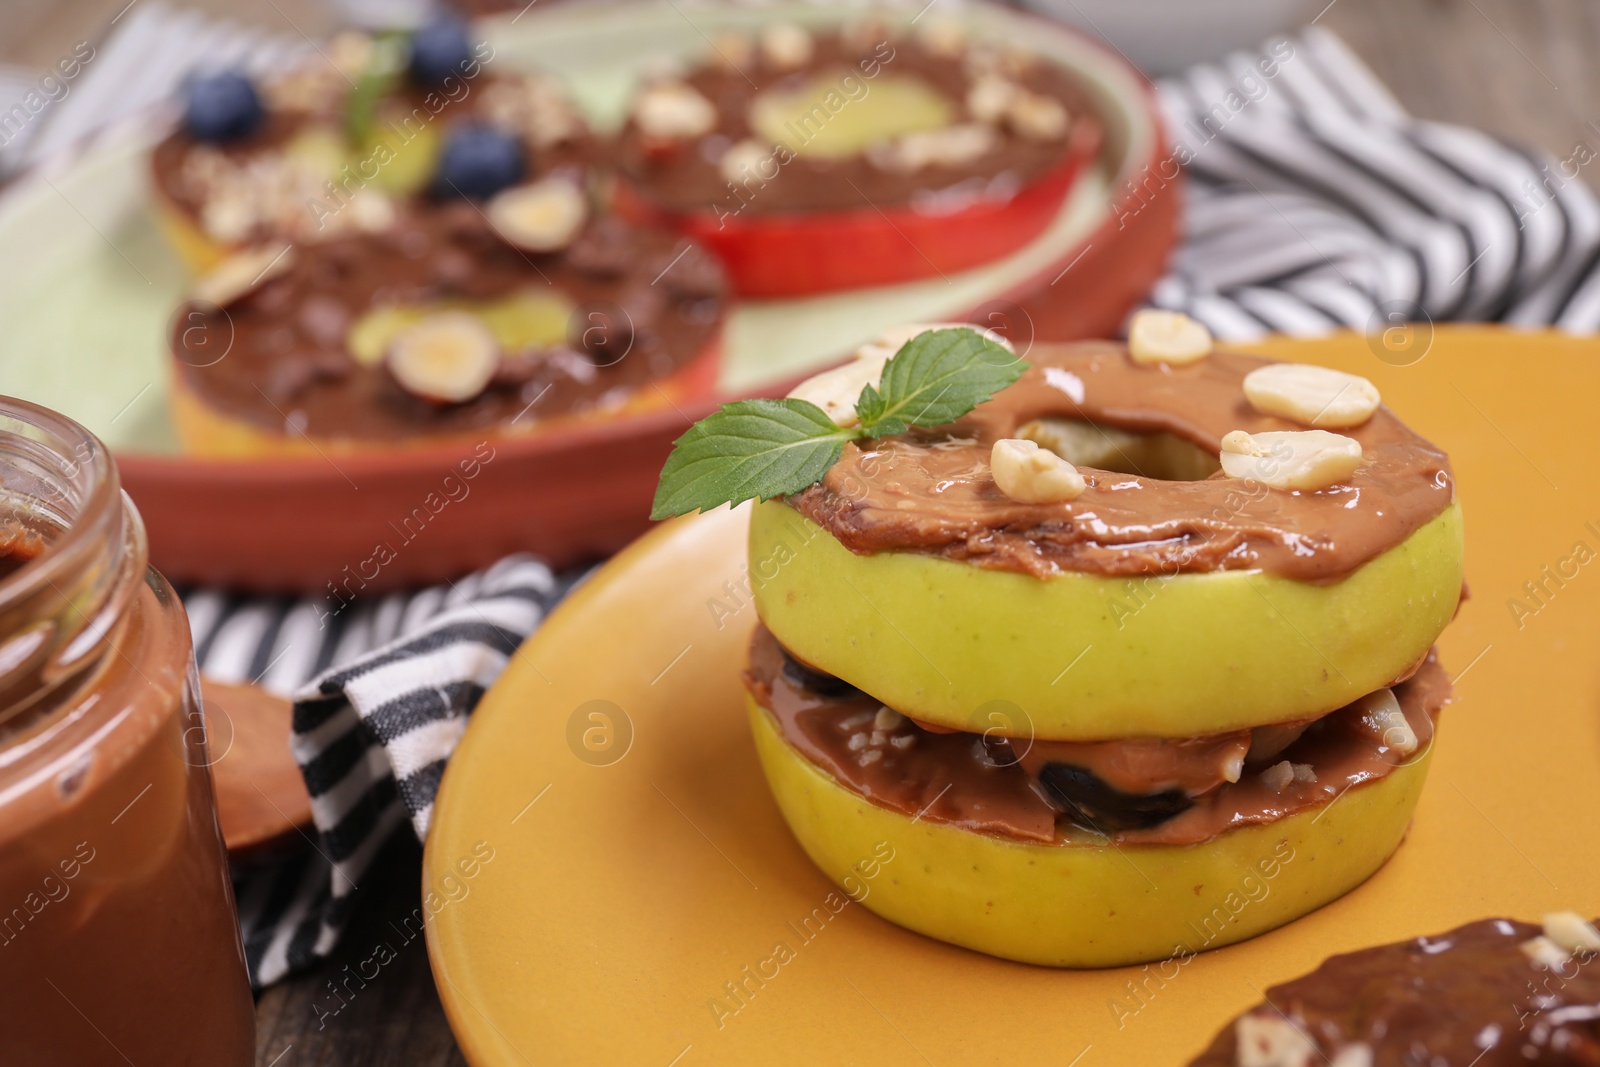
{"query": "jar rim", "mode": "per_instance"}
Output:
(85, 463)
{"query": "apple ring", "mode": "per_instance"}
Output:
(1175, 602)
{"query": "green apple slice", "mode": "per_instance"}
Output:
(1084, 902)
(837, 113)
(529, 319)
(1089, 657)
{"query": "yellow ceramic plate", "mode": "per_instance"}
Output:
(636, 864)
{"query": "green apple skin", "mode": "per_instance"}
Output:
(1083, 903)
(1079, 657)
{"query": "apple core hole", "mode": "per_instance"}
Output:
(1158, 454)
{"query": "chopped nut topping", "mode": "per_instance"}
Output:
(533, 106)
(448, 357)
(1572, 931)
(241, 273)
(1315, 396)
(857, 742)
(1271, 1041)
(1278, 776)
(949, 146)
(1545, 952)
(1291, 459)
(543, 216)
(1303, 772)
(871, 755)
(990, 96)
(786, 45)
(943, 37)
(888, 720)
(1029, 474)
(1156, 336)
(732, 49)
(1380, 713)
(1356, 1055)
(903, 741)
(743, 159)
(674, 110)
(1037, 117)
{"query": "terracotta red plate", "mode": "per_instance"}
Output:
(824, 251)
(88, 291)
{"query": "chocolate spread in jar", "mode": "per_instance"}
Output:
(1467, 997)
(932, 491)
(684, 179)
(118, 939)
(646, 306)
(971, 781)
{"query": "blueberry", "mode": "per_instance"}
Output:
(221, 107)
(478, 161)
(439, 48)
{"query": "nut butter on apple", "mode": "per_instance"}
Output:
(812, 159)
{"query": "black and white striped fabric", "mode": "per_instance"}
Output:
(395, 682)
(1315, 203)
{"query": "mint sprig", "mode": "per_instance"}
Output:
(759, 449)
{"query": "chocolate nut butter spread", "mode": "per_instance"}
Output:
(293, 363)
(823, 126)
(118, 937)
(1474, 995)
(931, 491)
(1141, 791)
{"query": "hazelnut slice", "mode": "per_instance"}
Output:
(732, 49)
(543, 216)
(743, 159)
(1279, 776)
(1157, 336)
(1381, 715)
(1314, 396)
(990, 96)
(1037, 117)
(448, 357)
(786, 45)
(943, 37)
(1271, 1041)
(1029, 474)
(1545, 952)
(674, 110)
(1291, 459)
(1572, 931)
(241, 274)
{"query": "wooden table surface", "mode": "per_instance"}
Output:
(1519, 68)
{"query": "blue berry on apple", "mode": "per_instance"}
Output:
(478, 161)
(439, 47)
(221, 107)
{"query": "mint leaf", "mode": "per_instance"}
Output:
(936, 378)
(759, 449)
(750, 449)
(378, 80)
(871, 410)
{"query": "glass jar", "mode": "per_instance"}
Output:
(118, 936)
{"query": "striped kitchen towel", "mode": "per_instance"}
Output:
(372, 731)
(1315, 203)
